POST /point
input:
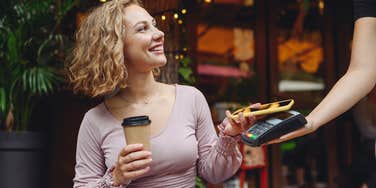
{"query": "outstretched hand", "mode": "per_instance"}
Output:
(308, 128)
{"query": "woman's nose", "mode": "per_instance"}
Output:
(158, 34)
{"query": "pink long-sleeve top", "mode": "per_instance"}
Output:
(186, 146)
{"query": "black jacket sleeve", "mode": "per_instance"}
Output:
(364, 8)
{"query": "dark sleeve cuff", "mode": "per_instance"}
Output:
(364, 8)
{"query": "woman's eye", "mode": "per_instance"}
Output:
(142, 29)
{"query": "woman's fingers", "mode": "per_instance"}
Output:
(136, 173)
(228, 115)
(131, 148)
(133, 162)
(250, 121)
(239, 125)
(255, 105)
(246, 122)
(232, 127)
(242, 120)
(134, 156)
(136, 165)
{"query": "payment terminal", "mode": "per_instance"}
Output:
(272, 127)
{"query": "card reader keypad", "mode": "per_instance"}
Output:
(259, 129)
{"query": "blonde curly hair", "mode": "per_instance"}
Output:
(97, 64)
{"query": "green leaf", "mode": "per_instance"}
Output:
(39, 81)
(12, 47)
(41, 47)
(185, 72)
(49, 86)
(3, 102)
(28, 40)
(199, 183)
(34, 78)
(24, 81)
(186, 62)
(28, 79)
(43, 86)
(47, 80)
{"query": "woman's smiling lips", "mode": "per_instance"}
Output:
(157, 49)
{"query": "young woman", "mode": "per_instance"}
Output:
(118, 46)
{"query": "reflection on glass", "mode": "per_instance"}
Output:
(300, 67)
(300, 51)
(226, 56)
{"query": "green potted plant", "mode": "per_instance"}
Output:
(32, 49)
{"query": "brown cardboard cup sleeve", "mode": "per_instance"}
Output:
(137, 130)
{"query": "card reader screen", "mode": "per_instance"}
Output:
(282, 115)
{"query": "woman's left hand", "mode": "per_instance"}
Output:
(235, 127)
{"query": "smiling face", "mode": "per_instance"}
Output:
(143, 43)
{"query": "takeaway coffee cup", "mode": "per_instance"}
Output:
(137, 130)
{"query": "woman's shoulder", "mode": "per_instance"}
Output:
(96, 114)
(191, 94)
(100, 120)
(186, 89)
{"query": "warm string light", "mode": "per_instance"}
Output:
(178, 15)
(176, 54)
(179, 56)
(321, 6)
(102, 1)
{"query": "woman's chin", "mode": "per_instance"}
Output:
(161, 62)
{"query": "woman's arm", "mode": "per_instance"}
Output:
(90, 168)
(219, 157)
(358, 81)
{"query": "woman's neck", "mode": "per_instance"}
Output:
(140, 87)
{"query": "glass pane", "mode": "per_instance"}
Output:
(300, 71)
(225, 66)
(300, 49)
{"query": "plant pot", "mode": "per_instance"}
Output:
(23, 160)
